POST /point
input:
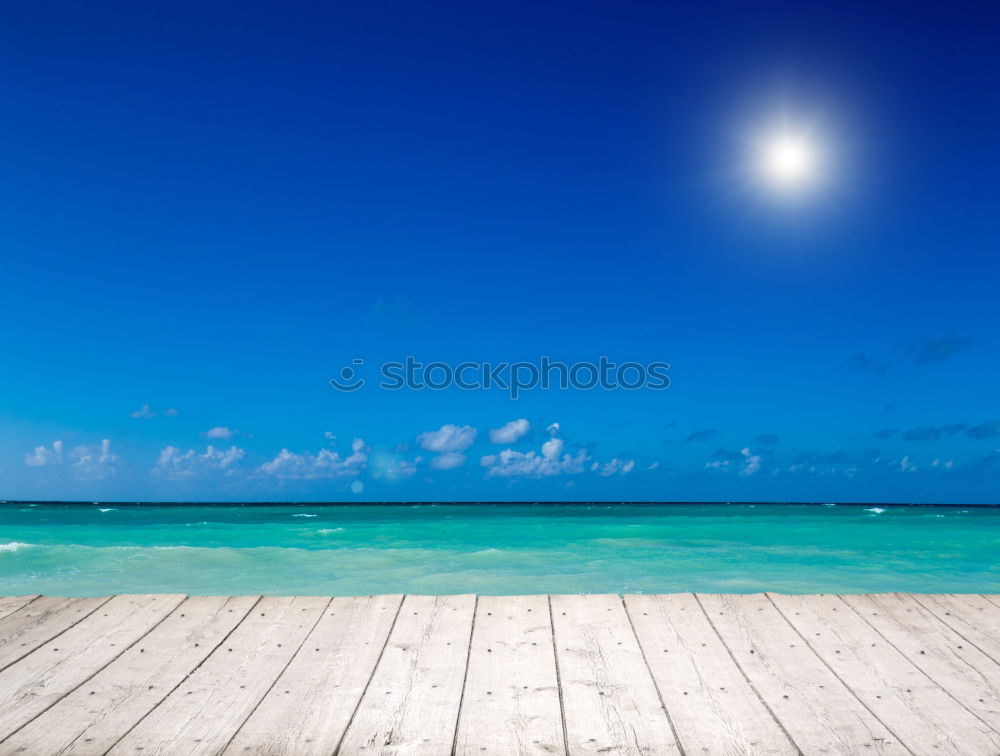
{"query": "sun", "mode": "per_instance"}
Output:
(789, 161)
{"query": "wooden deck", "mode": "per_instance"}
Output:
(678, 674)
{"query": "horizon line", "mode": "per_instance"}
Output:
(472, 502)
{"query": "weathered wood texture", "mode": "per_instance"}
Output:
(713, 707)
(511, 698)
(678, 674)
(610, 702)
(412, 702)
(93, 717)
(325, 681)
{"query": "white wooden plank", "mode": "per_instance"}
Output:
(951, 661)
(993, 598)
(940, 701)
(202, 714)
(39, 680)
(974, 617)
(23, 631)
(308, 709)
(511, 699)
(411, 705)
(713, 707)
(97, 714)
(818, 712)
(10, 604)
(923, 716)
(609, 700)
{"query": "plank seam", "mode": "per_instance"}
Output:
(991, 597)
(559, 688)
(385, 644)
(277, 677)
(656, 686)
(839, 678)
(781, 725)
(957, 632)
(184, 679)
(916, 598)
(26, 604)
(95, 673)
(917, 667)
(465, 676)
(49, 640)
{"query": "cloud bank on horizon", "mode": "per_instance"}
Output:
(457, 462)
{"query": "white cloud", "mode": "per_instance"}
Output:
(906, 466)
(751, 462)
(220, 431)
(143, 413)
(553, 429)
(748, 463)
(552, 461)
(552, 448)
(324, 464)
(653, 466)
(448, 438)
(392, 468)
(95, 462)
(615, 466)
(511, 432)
(42, 455)
(177, 465)
(448, 461)
(329, 436)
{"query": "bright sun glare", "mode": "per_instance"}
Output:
(789, 162)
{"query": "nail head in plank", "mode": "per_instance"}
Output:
(10, 604)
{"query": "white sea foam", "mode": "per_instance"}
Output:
(13, 546)
(305, 515)
(876, 510)
(109, 509)
(330, 530)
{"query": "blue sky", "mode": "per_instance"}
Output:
(209, 209)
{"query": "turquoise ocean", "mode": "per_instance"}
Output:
(80, 550)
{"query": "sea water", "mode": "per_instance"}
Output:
(78, 550)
